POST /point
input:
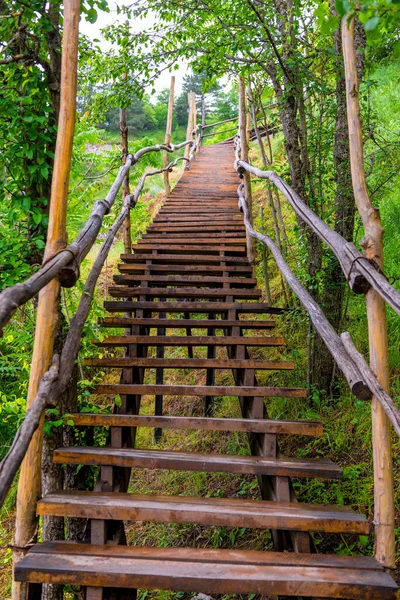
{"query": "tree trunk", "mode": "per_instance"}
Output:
(333, 281)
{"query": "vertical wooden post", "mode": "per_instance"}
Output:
(125, 185)
(194, 111)
(244, 154)
(264, 261)
(29, 486)
(168, 133)
(377, 328)
(189, 128)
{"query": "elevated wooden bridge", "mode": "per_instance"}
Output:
(188, 284)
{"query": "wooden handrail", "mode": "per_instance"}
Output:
(362, 381)
(66, 262)
(55, 381)
(361, 273)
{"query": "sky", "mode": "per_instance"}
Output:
(93, 30)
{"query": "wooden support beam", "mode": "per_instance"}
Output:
(168, 133)
(29, 488)
(244, 155)
(125, 185)
(376, 313)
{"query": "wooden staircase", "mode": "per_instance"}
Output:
(190, 273)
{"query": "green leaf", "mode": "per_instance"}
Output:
(91, 15)
(371, 24)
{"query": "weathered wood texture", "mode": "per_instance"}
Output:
(376, 297)
(210, 571)
(29, 485)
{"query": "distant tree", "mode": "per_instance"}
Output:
(226, 104)
(161, 108)
(206, 91)
(181, 109)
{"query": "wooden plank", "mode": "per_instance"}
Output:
(204, 511)
(310, 428)
(159, 292)
(183, 323)
(191, 363)
(176, 269)
(196, 247)
(186, 259)
(220, 556)
(190, 240)
(186, 280)
(193, 340)
(201, 390)
(185, 461)
(187, 573)
(194, 307)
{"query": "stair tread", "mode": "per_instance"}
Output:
(206, 423)
(191, 363)
(169, 292)
(184, 323)
(177, 269)
(200, 390)
(233, 512)
(186, 279)
(194, 307)
(193, 258)
(191, 340)
(186, 461)
(207, 570)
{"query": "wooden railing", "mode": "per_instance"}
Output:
(364, 275)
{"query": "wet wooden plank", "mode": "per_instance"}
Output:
(183, 323)
(201, 390)
(194, 340)
(185, 461)
(309, 428)
(204, 511)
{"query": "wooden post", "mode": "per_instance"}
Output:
(189, 128)
(194, 111)
(168, 133)
(264, 261)
(376, 313)
(29, 487)
(244, 155)
(125, 185)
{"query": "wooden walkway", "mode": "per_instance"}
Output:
(190, 273)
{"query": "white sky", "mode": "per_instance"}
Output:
(93, 31)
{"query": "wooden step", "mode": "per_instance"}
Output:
(186, 269)
(184, 323)
(205, 242)
(185, 259)
(256, 308)
(237, 237)
(185, 281)
(204, 511)
(191, 363)
(192, 247)
(190, 340)
(183, 228)
(200, 390)
(186, 461)
(166, 292)
(207, 570)
(309, 428)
